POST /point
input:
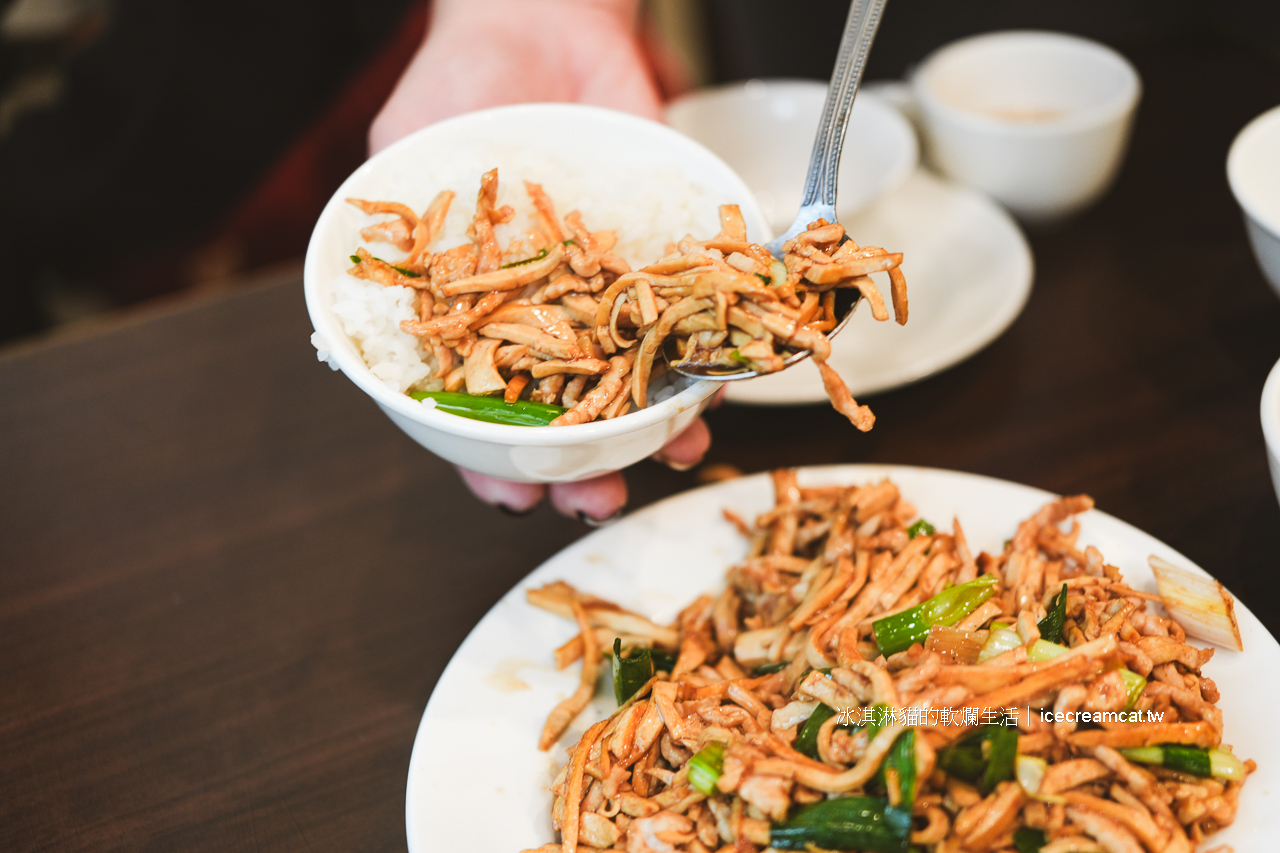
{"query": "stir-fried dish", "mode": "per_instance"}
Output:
(865, 683)
(557, 329)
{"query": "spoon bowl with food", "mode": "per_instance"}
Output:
(818, 272)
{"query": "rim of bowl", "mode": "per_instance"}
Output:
(354, 367)
(1085, 119)
(1270, 411)
(1239, 186)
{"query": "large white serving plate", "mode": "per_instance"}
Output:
(477, 780)
(969, 271)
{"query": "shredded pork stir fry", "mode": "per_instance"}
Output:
(865, 683)
(558, 319)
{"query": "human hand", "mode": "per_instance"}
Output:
(596, 501)
(485, 53)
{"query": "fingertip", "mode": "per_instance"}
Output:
(686, 449)
(595, 501)
(512, 498)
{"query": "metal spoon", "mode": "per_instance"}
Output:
(819, 200)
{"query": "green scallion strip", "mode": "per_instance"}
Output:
(1043, 650)
(492, 409)
(662, 661)
(1134, 685)
(968, 760)
(1189, 759)
(843, 823)
(705, 768)
(1051, 625)
(807, 738)
(898, 632)
(1028, 839)
(771, 668)
(919, 527)
(1002, 754)
(901, 760)
(541, 254)
(355, 259)
(630, 673)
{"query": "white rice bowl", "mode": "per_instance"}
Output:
(641, 179)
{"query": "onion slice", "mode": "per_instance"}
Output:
(1200, 605)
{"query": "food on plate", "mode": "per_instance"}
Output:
(864, 682)
(555, 328)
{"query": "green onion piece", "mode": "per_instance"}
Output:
(739, 357)
(1001, 756)
(1187, 759)
(1030, 771)
(706, 766)
(1028, 839)
(881, 716)
(964, 759)
(771, 668)
(400, 270)
(843, 823)
(1135, 684)
(999, 641)
(1144, 754)
(492, 409)
(542, 254)
(662, 661)
(1224, 765)
(1043, 650)
(807, 738)
(1051, 625)
(902, 761)
(898, 632)
(630, 673)
(778, 271)
(355, 259)
(766, 279)
(567, 242)
(919, 527)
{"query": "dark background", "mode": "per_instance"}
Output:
(192, 142)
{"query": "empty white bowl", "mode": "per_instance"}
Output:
(1271, 423)
(1038, 120)
(1253, 170)
(764, 129)
(645, 179)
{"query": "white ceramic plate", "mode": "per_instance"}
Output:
(477, 781)
(969, 272)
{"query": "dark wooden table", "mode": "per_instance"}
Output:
(228, 583)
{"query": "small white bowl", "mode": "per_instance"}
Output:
(1253, 170)
(1271, 423)
(764, 129)
(613, 167)
(1038, 120)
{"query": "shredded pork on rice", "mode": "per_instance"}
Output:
(556, 317)
(822, 566)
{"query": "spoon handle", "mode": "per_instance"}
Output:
(824, 162)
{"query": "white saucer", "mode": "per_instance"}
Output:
(969, 271)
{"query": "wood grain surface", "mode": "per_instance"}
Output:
(228, 583)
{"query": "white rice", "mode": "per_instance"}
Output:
(648, 208)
